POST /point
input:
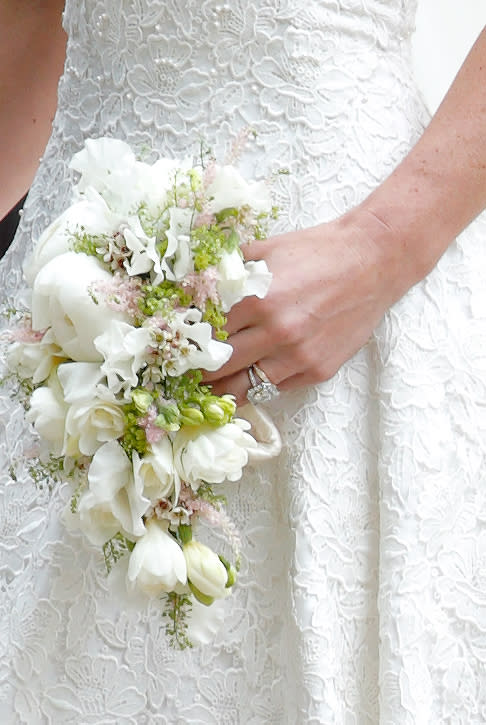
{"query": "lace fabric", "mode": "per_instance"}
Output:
(362, 596)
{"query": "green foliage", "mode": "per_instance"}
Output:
(177, 609)
(115, 548)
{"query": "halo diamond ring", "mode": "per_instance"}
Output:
(261, 390)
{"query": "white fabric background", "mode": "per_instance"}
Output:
(446, 30)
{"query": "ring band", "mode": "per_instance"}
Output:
(261, 389)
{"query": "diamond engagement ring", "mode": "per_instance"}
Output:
(261, 390)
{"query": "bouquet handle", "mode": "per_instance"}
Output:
(263, 430)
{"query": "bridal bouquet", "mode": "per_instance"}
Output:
(130, 288)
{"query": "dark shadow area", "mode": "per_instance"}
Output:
(8, 227)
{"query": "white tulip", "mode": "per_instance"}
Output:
(61, 301)
(205, 570)
(157, 563)
(212, 454)
(239, 279)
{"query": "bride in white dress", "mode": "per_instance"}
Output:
(362, 596)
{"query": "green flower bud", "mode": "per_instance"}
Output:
(191, 416)
(169, 418)
(142, 400)
(213, 411)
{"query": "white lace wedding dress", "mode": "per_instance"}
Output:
(362, 597)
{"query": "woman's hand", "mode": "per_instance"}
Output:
(331, 285)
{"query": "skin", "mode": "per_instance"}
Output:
(332, 283)
(32, 52)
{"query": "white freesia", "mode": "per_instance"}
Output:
(203, 351)
(47, 413)
(157, 563)
(114, 501)
(124, 349)
(61, 301)
(205, 570)
(90, 216)
(230, 190)
(34, 359)
(212, 454)
(156, 471)
(239, 279)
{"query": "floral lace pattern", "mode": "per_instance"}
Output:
(362, 596)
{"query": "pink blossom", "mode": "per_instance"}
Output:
(203, 286)
(121, 293)
(153, 432)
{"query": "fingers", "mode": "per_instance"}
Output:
(248, 345)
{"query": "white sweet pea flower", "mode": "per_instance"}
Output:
(212, 454)
(34, 360)
(239, 279)
(156, 471)
(157, 563)
(203, 351)
(47, 413)
(61, 301)
(124, 349)
(205, 571)
(113, 502)
(80, 380)
(109, 166)
(90, 216)
(155, 180)
(230, 190)
(177, 259)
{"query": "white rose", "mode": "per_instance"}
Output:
(124, 349)
(205, 571)
(61, 301)
(93, 423)
(157, 563)
(34, 360)
(114, 501)
(212, 454)
(230, 190)
(47, 413)
(90, 216)
(239, 279)
(156, 471)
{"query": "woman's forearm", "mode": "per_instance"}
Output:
(441, 185)
(32, 50)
